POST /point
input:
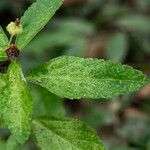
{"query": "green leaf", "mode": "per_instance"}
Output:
(74, 77)
(3, 43)
(117, 47)
(17, 98)
(2, 145)
(3, 80)
(46, 103)
(3, 83)
(35, 18)
(12, 144)
(65, 134)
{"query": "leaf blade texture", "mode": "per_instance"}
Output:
(4, 43)
(12, 144)
(3, 83)
(65, 134)
(35, 18)
(17, 97)
(75, 78)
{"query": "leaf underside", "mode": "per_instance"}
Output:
(35, 18)
(65, 134)
(16, 104)
(75, 78)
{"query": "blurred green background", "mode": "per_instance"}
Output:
(117, 30)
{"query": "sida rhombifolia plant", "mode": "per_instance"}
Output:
(66, 76)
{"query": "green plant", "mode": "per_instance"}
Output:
(66, 76)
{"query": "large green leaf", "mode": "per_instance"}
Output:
(3, 43)
(18, 104)
(35, 18)
(74, 77)
(65, 134)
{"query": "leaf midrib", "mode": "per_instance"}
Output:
(85, 78)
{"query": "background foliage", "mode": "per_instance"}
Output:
(117, 30)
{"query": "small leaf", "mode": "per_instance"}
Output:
(17, 97)
(3, 43)
(117, 47)
(65, 134)
(73, 77)
(35, 18)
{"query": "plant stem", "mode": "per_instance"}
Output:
(11, 39)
